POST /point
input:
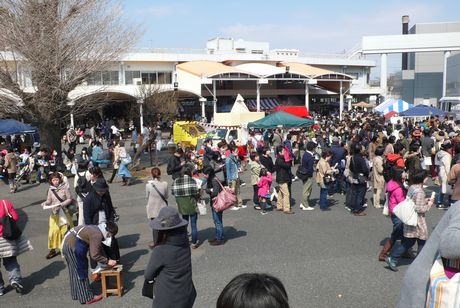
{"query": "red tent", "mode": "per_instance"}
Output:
(390, 114)
(300, 111)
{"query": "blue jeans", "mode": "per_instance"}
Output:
(406, 244)
(358, 193)
(193, 219)
(397, 233)
(13, 269)
(218, 222)
(323, 198)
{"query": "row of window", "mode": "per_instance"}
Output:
(131, 77)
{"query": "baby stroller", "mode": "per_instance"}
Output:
(25, 171)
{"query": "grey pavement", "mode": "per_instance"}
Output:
(324, 259)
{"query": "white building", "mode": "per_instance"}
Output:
(227, 67)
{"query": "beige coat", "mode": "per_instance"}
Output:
(322, 169)
(116, 156)
(377, 172)
(11, 163)
(155, 203)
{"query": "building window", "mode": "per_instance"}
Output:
(164, 77)
(130, 75)
(103, 78)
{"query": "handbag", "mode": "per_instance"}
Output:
(225, 199)
(161, 195)
(202, 207)
(442, 292)
(405, 211)
(386, 210)
(71, 208)
(147, 288)
(126, 160)
(11, 230)
(301, 173)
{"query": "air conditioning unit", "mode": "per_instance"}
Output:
(137, 81)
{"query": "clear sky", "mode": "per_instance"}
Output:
(311, 26)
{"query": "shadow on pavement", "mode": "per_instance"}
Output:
(128, 241)
(229, 233)
(128, 260)
(50, 271)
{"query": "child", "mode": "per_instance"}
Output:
(265, 181)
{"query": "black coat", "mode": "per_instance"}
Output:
(283, 171)
(170, 266)
(174, 168)
(93, 203)
(267, 162)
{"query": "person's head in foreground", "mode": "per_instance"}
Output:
(253, 291)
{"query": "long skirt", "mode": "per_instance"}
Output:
(56, 232)
(123, 171)
(79, 288)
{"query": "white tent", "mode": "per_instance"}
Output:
(392, 104)
(239, 106)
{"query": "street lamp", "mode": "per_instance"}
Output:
(71, 104)
(141, 112)
(203, 102)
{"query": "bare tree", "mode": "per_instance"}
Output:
(157, 103)
(58, 44)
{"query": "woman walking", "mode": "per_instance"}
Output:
(157, 193)
(115, 161)
(60, 220)
(10, 249)
(170, 264)
(324, 174)
(213, 189)
(418, 233)
(11, 163)
(396, 193)
(125, 160)
(377, 174)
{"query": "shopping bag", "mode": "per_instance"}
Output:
(225, 199)
(405, 211)
(442, 292)
(11, 230)
(202, 207)
(386, 210)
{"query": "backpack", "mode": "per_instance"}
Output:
(83, 186)
(387, 167)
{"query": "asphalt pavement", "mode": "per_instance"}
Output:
(324, 259)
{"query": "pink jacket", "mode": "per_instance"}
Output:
(395, 194)
(264, 185)
(10, 209)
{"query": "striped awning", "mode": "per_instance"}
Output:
(266, 104)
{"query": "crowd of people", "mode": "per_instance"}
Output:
(350, 157)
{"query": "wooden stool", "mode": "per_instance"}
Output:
(117, 272)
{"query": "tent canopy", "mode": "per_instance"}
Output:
(299, 111)
(422, 111)
(363, 105)
(280, 119)
(13, 127)
(390, 114)
(392, 104)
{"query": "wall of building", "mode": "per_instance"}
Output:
(453, 75)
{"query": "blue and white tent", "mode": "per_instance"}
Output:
(392, 104)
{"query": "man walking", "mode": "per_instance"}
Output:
(306, 175)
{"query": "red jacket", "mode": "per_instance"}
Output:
(397, 158)
(10, 209)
